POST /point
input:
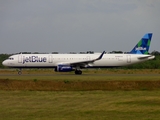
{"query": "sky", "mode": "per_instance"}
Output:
(77, 25)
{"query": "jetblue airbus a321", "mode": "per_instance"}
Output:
(76, 62)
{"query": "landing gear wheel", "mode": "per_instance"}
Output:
(19, 72)
(78, 72)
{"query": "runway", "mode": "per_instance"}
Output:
(81, 75)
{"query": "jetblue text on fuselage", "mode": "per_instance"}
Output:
(34, 59)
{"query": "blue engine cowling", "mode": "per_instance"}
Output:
(63, 68)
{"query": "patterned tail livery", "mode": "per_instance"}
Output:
(143, 45)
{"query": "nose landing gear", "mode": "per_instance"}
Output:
(19, 72)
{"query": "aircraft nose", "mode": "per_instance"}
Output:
(4, 63)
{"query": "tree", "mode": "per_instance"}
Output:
(2, 58)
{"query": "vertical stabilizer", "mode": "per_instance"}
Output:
(143, 45)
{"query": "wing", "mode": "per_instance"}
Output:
(83, 63)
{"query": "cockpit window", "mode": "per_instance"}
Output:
(10, 58)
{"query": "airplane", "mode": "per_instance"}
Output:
(76, 62)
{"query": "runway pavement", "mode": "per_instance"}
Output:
(80, 75)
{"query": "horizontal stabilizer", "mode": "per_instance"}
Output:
(144, 57)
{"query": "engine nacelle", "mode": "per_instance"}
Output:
(63, 68)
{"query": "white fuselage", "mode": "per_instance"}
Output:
(53, 60)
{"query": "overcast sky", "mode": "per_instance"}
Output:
(77, 25)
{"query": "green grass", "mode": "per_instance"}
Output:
(86, 105)
(85, 71)
(84, 77)
(121, 95)
(89, 75)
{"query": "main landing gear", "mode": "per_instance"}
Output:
(78, 72)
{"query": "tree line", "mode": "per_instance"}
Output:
(151, 64)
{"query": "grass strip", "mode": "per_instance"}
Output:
(66, 85)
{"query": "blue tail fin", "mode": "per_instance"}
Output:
(143, 45)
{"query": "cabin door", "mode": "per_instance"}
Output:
(128, 58)
(20, 58)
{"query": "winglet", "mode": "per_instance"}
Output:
(100, 57)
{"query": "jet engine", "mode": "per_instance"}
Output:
(63, 68)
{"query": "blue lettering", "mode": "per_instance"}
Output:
(44, 59)
(41, 60)
(34, 59)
